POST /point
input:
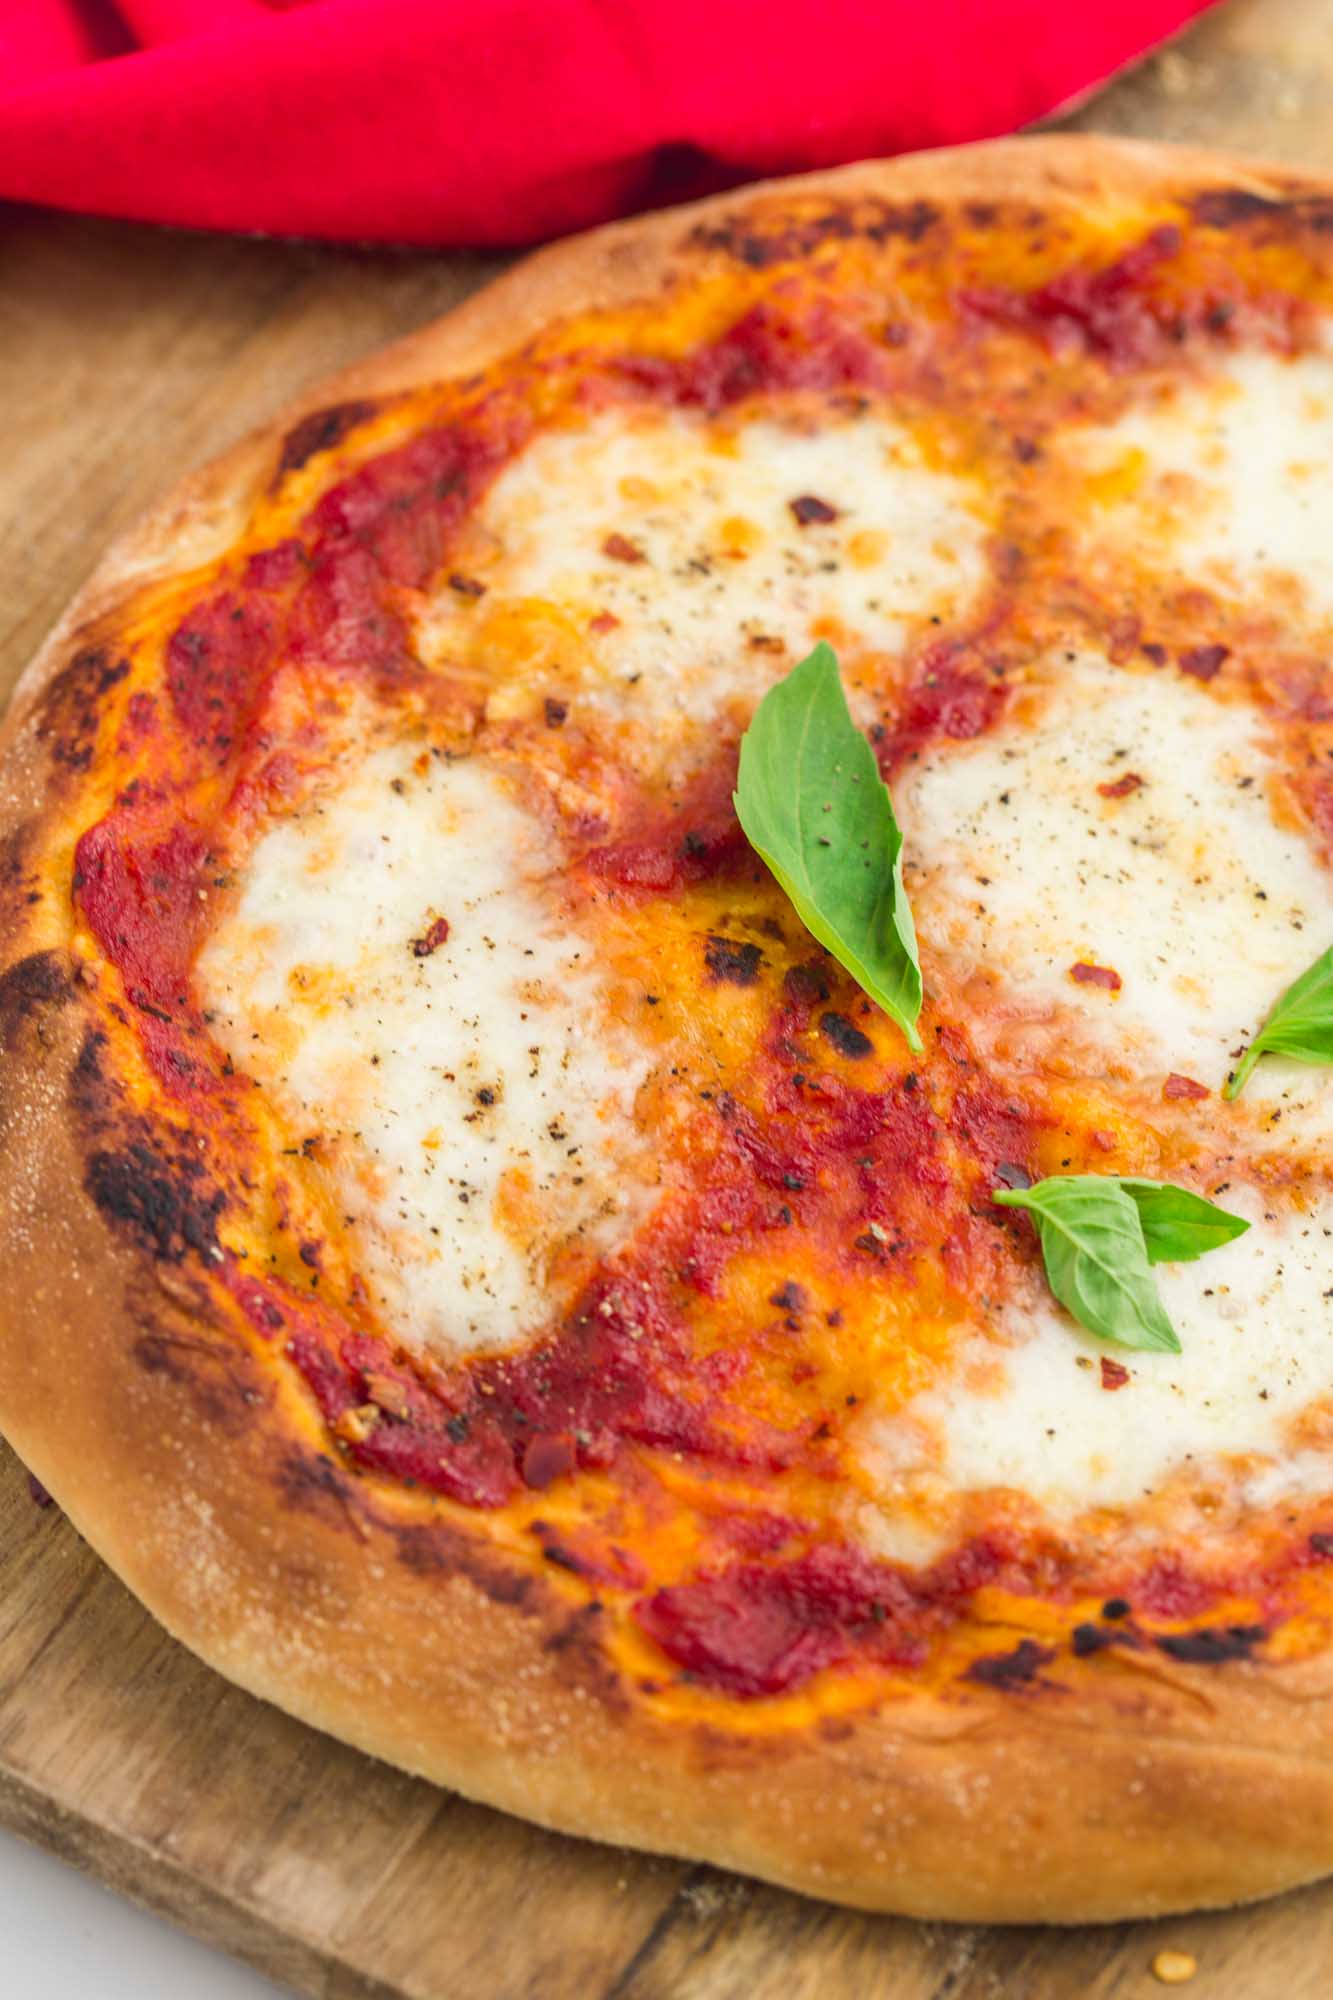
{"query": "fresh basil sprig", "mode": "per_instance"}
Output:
(1178, 1225)
(1101, 1233)
(813, 806)
(1300, 1025)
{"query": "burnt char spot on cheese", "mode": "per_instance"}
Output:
(167, 1205)
(845, 1036)
(1017, 1669)
(761, 241)
(320, 431)
(730, 962)
(1212, 1645)
(1089, 1638)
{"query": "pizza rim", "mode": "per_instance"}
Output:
(1240, 1809)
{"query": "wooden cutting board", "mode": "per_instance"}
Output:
(126, 355)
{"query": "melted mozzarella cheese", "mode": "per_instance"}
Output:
(1187, 888)
(1228, 481)
(1206, 907)
(479, 1094)
(1026, 1408)
(715, 578)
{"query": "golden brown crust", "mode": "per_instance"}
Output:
(1117, 1787)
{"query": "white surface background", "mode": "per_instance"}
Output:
(64, 1937)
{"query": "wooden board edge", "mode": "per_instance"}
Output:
(148, 1876)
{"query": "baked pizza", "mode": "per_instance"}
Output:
(666, 982)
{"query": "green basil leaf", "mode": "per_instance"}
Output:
(1300, 1025)
(1096, 1258)
(1179, 1225)
(813, 806)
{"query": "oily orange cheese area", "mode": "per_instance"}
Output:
(683, 1442)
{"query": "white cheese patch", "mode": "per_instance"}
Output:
(1255, 1321)
(480, 1095)
(1187, 887)
(722, 561)
(1229, 480)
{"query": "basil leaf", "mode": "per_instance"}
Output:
(1179, 1225)
(1300, 1025)
(813, 806)
(1096, 1259)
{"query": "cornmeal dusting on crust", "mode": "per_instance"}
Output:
(1174, 1968)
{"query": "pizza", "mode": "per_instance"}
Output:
(666, 1150)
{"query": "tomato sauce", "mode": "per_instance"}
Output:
(890, 1175)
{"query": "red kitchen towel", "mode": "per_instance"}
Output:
(501, 121)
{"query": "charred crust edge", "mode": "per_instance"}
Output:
(70, 715)
(29, 987)
(760, 241)
(165, 1204)
(321, 431)
(1239, 208)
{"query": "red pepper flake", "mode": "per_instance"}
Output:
(1203, 661)
(621, 549)
(1183, 1086)
(1120, 788)
(387, 1393)
(466, 586)
(422, 947)
(549, 1456)
(605, 621)
(1114, 1374)
(1123, 639)
(808, 510)
(556, 712)
(1095, 975)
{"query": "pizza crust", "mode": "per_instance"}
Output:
(1143, 1786)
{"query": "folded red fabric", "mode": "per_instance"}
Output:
(501, 121)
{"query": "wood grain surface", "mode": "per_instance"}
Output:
(127, 354)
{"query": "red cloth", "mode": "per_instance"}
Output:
(501, 121)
